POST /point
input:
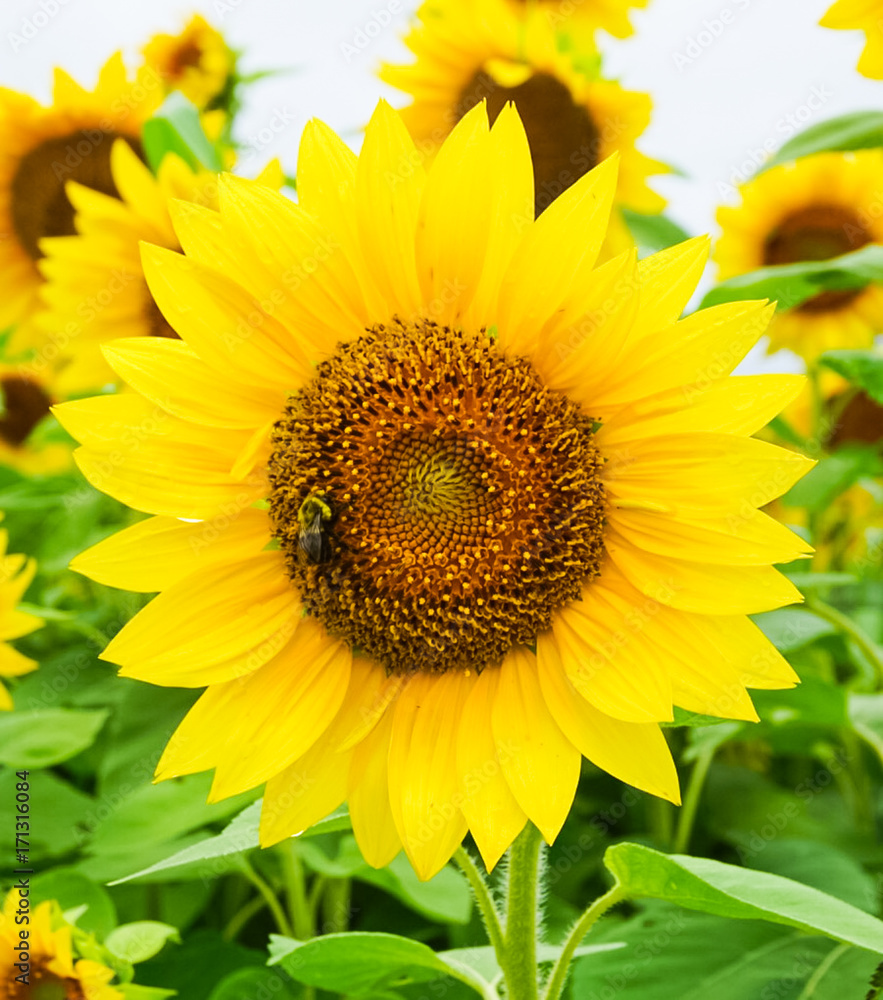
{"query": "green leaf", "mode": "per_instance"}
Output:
(250, 984)
(693, 720)
(358, 962)
(862, 368)
(792, 628)
(821, 581)
(176, 128)
(866, 715)
(132, 991)
(483, 959)
(856, 130)
(136, 942)
(694, 956)
(833, 475)
(445, 898)
(64, 812)
(822, 866)
(653, 232)
(731, 891)
(790, 284)
(73, 890)
(46, 736)
(239, 836)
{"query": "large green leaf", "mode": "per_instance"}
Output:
(856, 130)
(251, 984)
(790, 284)
(731, 891)
(695, 956)
(792, 628)
(358, 962)
(863, 369)
(46, 736)
(198, 965)
(833, 475)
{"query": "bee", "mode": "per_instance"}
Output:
(312, 539)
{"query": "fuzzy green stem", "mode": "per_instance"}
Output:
(269, 897)
(602, 904)
(849, 629)
(691, 801)
(520, 967)
(485, 900)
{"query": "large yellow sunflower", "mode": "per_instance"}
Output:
(866, 16)
(197, 62)
(433, 517)
(55, 970)
(16, 573)
(41, 148)
(95, 289)
(819, 207)
(469, 51)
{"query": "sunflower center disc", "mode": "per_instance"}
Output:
(817, 232)
(40, 206)
(564, 141)
(44, 985)
(24, 406)
(466, 501)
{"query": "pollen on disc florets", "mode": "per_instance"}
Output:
(465, 495)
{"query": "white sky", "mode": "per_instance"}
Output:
(749, 81)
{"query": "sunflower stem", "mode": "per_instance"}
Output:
(520, 966)
(851, 631)
(336, 905)
(691, 801)
(269, 897)
(602, 904)
(486, 906)
(302, 924)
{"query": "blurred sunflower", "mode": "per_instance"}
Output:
(579, 19)
(16, 573)
(25, 402)
(41, 148)
(866, 16)
(818, 207)
(95, 289)
(467, 52)
(197, 62)
(455, 525)
(55, 970)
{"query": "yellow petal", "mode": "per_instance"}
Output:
(423, 768)
(495, 818)
(160, 551)
(668, 280)
(636, 753)
(316, 783)
(368, 796)
(540, 764)
(555, 256)
(217, 624)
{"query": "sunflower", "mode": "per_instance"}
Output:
(432, 518)
(197, 62)
(866, 16)
(26, 399)
(55, 971)
(818, 207)
(578, 19)
(16, 573)
(41, 148)
(95, 289)
(473, 51)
